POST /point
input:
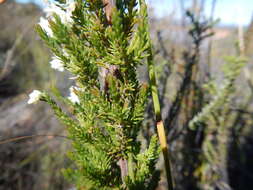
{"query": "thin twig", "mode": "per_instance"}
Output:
(28, 137)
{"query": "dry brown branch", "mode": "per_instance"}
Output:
(109, 5)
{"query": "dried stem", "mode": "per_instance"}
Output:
(159, 122)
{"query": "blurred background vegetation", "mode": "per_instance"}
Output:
(215, 155)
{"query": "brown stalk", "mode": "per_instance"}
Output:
(109, 5)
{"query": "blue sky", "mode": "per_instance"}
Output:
(229, 11)
(238, 11)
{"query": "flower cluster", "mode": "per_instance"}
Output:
(64, 12)
(73, 97)
(45, 25)
(57, 64)
(34, 97)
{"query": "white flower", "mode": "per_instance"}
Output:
(74, 77)
(64, 11)
(73, 97)
(51, 8)
(65, 53)
(71, 5)
(34, 97)
(45, 26)
(57, 64)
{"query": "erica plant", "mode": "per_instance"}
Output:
(101, 43)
